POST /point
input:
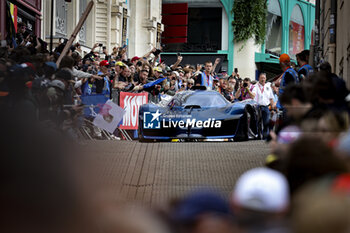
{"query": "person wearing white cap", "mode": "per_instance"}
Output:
(260, 200)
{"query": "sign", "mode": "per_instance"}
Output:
(93, 104)
(153, 120)
(124, 26)
(109, 116)
(296, 38)
(131, 103)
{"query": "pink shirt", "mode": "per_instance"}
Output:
(245, 94)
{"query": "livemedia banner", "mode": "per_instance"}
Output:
(131, 103)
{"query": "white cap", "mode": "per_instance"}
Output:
(176, 73)
(58, 83)
(262, 189)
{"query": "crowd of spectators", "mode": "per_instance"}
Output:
(304, 187)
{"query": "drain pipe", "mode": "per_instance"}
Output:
(332, 35)
(315, 59)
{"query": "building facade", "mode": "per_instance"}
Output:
(290, 26)
(112, 23)
(289, 30)
(332, 40)
(26, 11)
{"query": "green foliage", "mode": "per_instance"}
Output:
(249, 20)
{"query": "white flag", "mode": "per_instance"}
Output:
(109, 116)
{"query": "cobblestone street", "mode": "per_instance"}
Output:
(155, 172)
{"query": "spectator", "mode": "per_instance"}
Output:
(190, 83)
(245, 91)
(231, 92)
(233, 81)
(289, 76)
(158, 72)
(306, 162)
(264, 97)
(339, 84)
(260, 201)
(21, 34)
(202, 211)
(305, 69)
(205, 78)
(317, 208)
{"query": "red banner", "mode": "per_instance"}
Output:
(296, 38)
(131, 103)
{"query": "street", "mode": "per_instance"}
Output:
(153, 173)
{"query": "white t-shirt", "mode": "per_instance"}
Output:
(263, 94)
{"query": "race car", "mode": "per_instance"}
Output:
(200, 114)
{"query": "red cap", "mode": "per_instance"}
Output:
(134, 58)
(104, 63)
(284, 58)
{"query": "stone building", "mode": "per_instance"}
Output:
(111, 23)
(332, 40)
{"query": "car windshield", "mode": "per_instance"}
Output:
(204, 99)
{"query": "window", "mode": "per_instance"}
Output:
(204, 31)
(274, 28)
(61, 18)
(82, 32)
(296, 32)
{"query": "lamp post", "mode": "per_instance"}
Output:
(51, 33)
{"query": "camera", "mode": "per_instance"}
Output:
(245, 85)
(100, 45)
(157, 52)
(236, 70)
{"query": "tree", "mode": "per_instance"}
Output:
(249, 20)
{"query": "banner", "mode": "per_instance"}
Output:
(296, 38)
(93, 104)
(131, 103)
(109, 116)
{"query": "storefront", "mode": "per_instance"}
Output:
(27, 11)
(200, 30)
(289, 30)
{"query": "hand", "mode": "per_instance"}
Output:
(217, 60)
(96, 45)
(179, 58)
(153, 50)
(199, 67)
(274, 107)
(120, 85)
(96, 77)
(233, 74)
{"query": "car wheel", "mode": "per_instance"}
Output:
(243, 128)
(140, 136)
